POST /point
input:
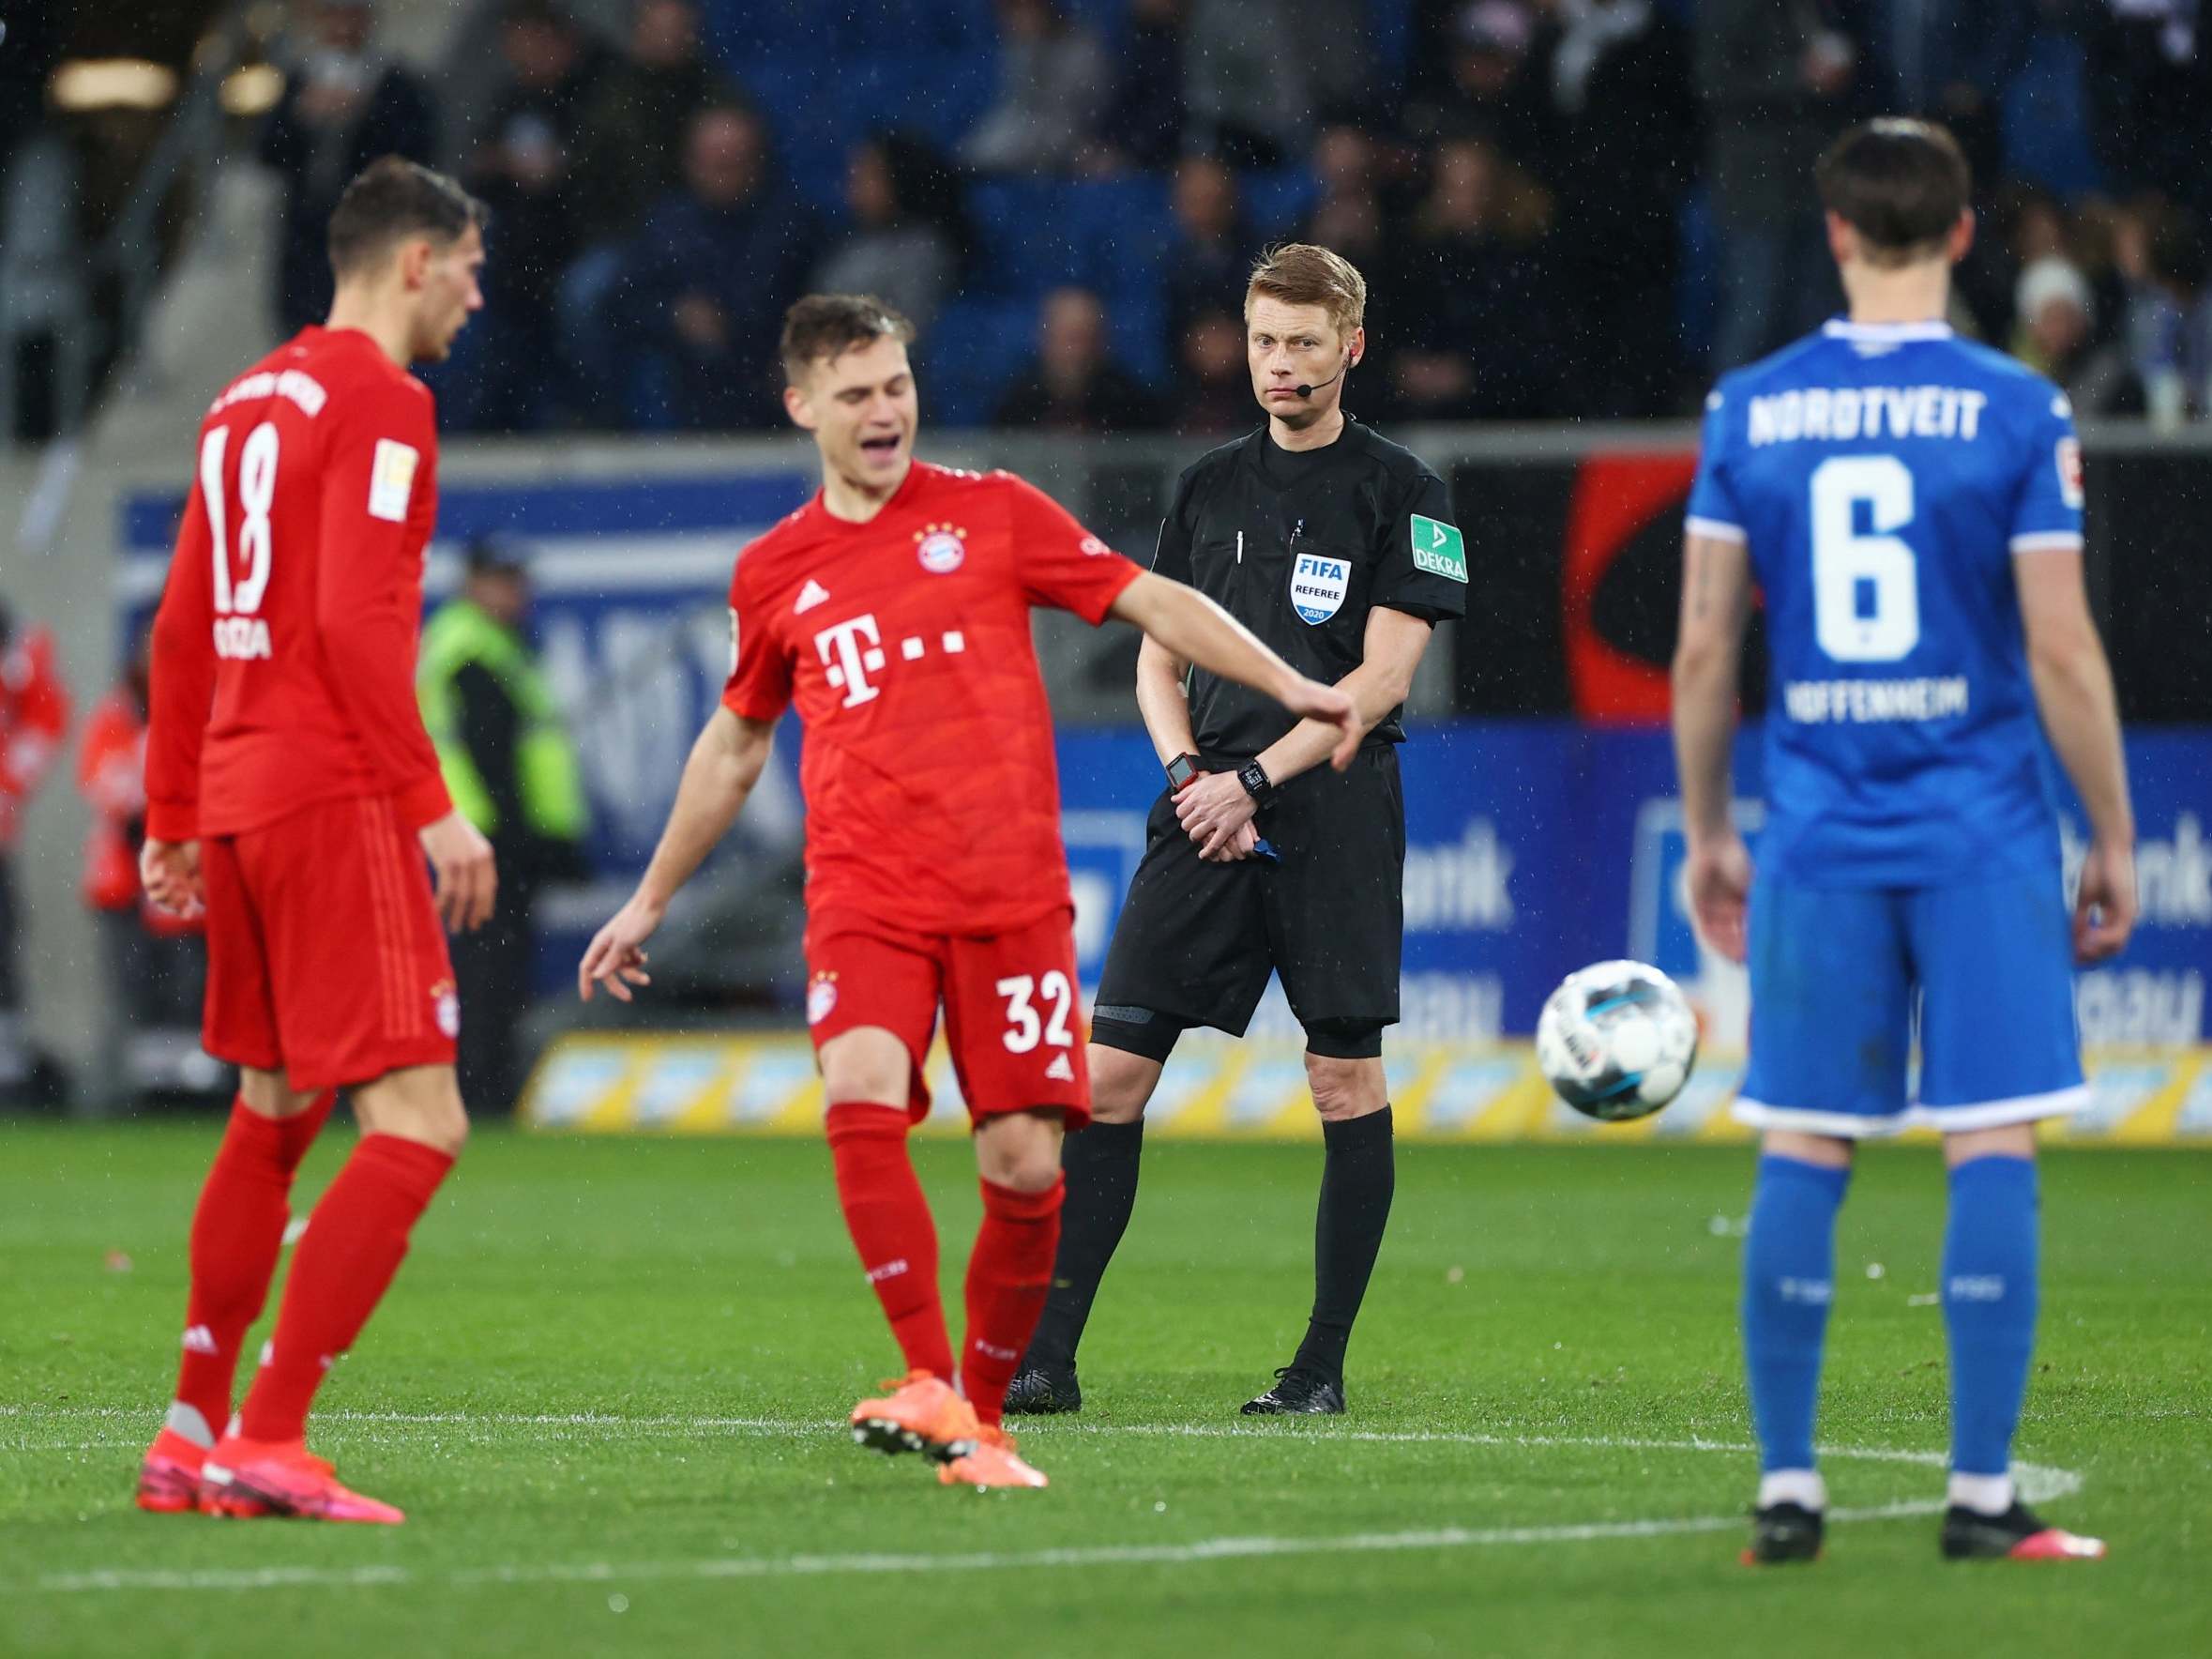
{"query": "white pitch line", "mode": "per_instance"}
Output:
(807, 1566)
(2038, 1483)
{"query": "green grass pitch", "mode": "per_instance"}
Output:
(608, 1389)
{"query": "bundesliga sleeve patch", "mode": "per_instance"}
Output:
(2069, 473)
(391, 480)
(1438, 549)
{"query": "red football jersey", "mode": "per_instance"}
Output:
(933, 798)
(283, 659)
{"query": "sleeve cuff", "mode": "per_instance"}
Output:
(173, 820)
(424, 802)
(1110, 591)
(1715, 529)
(2047, 541)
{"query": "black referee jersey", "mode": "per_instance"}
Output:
(1299, 546)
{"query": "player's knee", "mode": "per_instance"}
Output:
(422, 1104)
(866, 1066)
(1346, 1088)
(1019, 1151)
(1121, 1083)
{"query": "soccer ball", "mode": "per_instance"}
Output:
(1616, 1040)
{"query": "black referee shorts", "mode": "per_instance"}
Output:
(1196, 941)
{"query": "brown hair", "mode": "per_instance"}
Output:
(1901, 185)
(821, 328)
(391, 199)
(1298, 273)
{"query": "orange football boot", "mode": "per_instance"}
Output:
(281, 1478)
(168, 1476)
(925, 1414)
(989, 1462)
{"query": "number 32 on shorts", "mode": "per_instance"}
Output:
(1027, 1023)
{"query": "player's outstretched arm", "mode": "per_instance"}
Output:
(725, 764)
(1195, 630)
(2081, 713)
(1715, 607)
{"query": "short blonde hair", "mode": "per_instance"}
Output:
(1299, 273)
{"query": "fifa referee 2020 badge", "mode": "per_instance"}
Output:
(1337, 548)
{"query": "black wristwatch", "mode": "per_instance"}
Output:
(1256, 781)
(1182, 772)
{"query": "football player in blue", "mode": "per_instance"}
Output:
(1909, 505)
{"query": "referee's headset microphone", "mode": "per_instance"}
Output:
(1307, 391)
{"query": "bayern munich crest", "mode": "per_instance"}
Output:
(821, 998)
(446, 1001)
(943, 548)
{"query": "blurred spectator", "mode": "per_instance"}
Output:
(1142, 126)
(1346, 74)
(34, 717)
(1209, 256)
(521, 169)
(1492, 88)
(717, 263)
(1348, 214)
(512, 771)
(628, 155)
(1072, 385)
(1627, 132)
(2057, 337)
(345, 104)
(1478, 325)
(2169, 271)
(2150, 78)
(1775, 80)
(1247, 80)
(1214, 392)
(909, 235)
(1952, 60)
(627, 158)
(155, 963)
(1054, 80)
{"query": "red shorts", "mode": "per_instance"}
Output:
(1012, 1017)
(325, 960)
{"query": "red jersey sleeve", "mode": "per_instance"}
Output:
(759, 686)
(1061, 563)
(181, 689)
(379, 504)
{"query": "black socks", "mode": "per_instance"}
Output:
(1358, 1174)
(1099, 1165)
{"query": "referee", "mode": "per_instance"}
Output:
(1337, 548)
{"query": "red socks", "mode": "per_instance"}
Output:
(236, 1234)
(891, 1227)
(1009, 1275)
(356, 1240)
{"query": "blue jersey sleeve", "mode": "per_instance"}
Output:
(1713, 509)
(2048, 511)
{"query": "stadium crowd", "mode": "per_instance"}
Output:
(1567, 208)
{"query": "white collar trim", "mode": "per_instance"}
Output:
(1884, 333)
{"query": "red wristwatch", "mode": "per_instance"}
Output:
(1182, 772)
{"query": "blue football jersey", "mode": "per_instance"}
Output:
(1884, 477)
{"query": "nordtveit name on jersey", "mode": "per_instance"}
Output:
(1845, 413)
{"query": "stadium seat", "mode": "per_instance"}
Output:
(1276, 200)
(1022, 237)
(1120, 229)
(971, 356)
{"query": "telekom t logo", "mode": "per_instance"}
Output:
(850, 651)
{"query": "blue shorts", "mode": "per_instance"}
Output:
(1842, 980)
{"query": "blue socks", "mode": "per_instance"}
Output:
(1789, 1281)
(1989, 1307)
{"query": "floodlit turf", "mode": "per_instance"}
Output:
(606, 1390)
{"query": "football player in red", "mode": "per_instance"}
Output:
(293, 792)
(893, 609)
